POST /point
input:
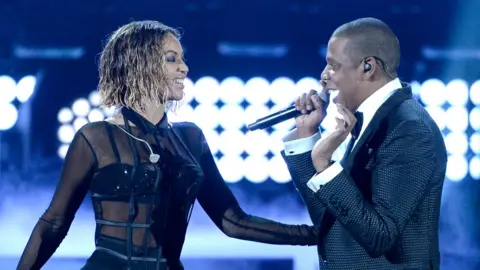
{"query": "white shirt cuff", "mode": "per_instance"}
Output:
(300, 146)
(324, 177)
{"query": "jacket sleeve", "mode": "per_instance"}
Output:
(403, 175)
(302, 170)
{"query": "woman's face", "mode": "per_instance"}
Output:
(175, 67)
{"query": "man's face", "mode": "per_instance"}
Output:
(343, 73)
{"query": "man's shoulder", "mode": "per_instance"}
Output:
(409, 110)
(412, 112)
(411, 124)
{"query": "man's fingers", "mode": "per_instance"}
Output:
(318, 103)
(297, 103)
(302, 104)
(349, 113)
(308, 101)
(341, 124)
(350, 120)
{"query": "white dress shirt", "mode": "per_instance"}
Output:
(369, 107)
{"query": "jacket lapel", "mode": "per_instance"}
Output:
(394, 101)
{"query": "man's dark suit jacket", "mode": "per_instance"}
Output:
(382, 211)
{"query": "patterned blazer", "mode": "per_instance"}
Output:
(382, 211)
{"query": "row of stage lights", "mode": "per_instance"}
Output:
(11, 94)
(223, 109)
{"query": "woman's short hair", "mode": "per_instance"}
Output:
(132, 65)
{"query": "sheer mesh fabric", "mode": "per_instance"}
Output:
(114, 177)
(101, 159)
(55, 222)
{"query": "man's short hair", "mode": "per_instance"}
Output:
(370, 37)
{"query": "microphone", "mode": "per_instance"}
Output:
(282, 115)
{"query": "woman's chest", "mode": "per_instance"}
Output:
(145, 179)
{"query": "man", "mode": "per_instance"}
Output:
(378, 207)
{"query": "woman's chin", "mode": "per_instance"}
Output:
(176, 96)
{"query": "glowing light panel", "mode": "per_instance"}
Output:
(222, 109)
(10, 90)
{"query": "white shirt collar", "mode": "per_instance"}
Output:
(370, 105)
(369, 108)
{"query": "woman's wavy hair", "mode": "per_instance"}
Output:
(132, 66)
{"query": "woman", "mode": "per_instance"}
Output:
(144, 174)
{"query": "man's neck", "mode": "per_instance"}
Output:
(369, 90)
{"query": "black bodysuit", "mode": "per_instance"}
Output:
(142, 208)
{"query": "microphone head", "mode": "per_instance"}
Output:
(154, 158)
(253, 126)
(323, 96)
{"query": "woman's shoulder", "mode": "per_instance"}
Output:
(94, 131)
(101, 126)
(190, 133)
(187, 128)
(94, 127)
(185, 125)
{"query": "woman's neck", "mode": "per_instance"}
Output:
(153, 113)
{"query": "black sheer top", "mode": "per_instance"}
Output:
(147, 204)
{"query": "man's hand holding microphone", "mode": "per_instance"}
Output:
(314, 111)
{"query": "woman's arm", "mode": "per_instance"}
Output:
(222, 207)
(54, 224)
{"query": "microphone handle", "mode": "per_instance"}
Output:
(274, 119)
(282, 115)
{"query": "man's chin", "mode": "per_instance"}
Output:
(336, 100)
